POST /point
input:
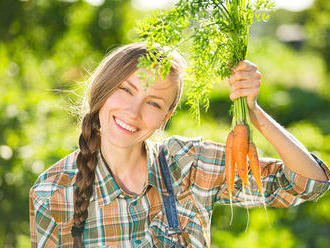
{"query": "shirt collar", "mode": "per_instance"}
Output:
(106, 189)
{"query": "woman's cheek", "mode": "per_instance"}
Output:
(153, 117)
(116, 99)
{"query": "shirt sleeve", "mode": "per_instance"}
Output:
(282, 187)
(43, 228)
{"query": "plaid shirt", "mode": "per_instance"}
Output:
(117, 219)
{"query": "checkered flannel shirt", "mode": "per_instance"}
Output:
(118, 219)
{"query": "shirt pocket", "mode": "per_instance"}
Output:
(193, 222)
(156, 234)
(190, 223)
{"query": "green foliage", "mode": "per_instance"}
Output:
(218, 35)
(318, 28)
(45, 46)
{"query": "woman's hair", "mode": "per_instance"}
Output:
(112, 71)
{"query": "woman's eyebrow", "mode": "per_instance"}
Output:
(153, 96)
(131, 84)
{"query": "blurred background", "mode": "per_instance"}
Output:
(48, 48)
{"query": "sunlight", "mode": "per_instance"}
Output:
(151, 4)
(95, 2)
(292, 5)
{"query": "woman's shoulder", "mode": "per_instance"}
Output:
(177, 145)
(60, 175)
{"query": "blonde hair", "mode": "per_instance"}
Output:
(112, 71)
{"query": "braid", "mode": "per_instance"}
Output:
(89, 143)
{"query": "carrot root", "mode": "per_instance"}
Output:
(231, 209)
(254, 165)
(230, 170)
(240, 148)
(230, 163)
(248, 220)
(247, 211)
(256, 171)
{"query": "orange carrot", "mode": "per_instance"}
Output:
(230, 170)
(230, 163)
(241, 147)
(256, 171)
(254, 165)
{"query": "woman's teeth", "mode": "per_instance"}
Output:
(123, 125)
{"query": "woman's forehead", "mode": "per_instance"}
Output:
(160, 84)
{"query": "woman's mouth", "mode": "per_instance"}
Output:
(124, 127)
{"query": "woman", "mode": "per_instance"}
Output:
(122, 190)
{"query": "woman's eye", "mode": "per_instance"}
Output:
(152, 103)
(155, 104)
(125, 89)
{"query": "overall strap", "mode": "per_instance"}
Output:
(169, 200)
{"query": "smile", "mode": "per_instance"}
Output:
(124, 125)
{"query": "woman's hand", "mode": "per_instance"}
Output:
(245, 80)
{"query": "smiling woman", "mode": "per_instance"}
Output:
(125, 119)
(122, 115)
(119, 189)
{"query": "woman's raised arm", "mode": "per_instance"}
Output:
(245, 81)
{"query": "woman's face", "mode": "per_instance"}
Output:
(130, 115)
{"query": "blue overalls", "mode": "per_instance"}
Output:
(169, 201)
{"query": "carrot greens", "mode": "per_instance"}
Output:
(213, 36)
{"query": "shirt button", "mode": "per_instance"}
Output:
(138, 241)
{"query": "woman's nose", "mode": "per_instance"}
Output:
(135, 108)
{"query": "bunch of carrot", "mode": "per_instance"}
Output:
(239, 147)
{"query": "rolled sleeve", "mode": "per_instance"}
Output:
(282, 187)
(306, 189)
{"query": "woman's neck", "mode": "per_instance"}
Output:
(123, 160)
(127, 166)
